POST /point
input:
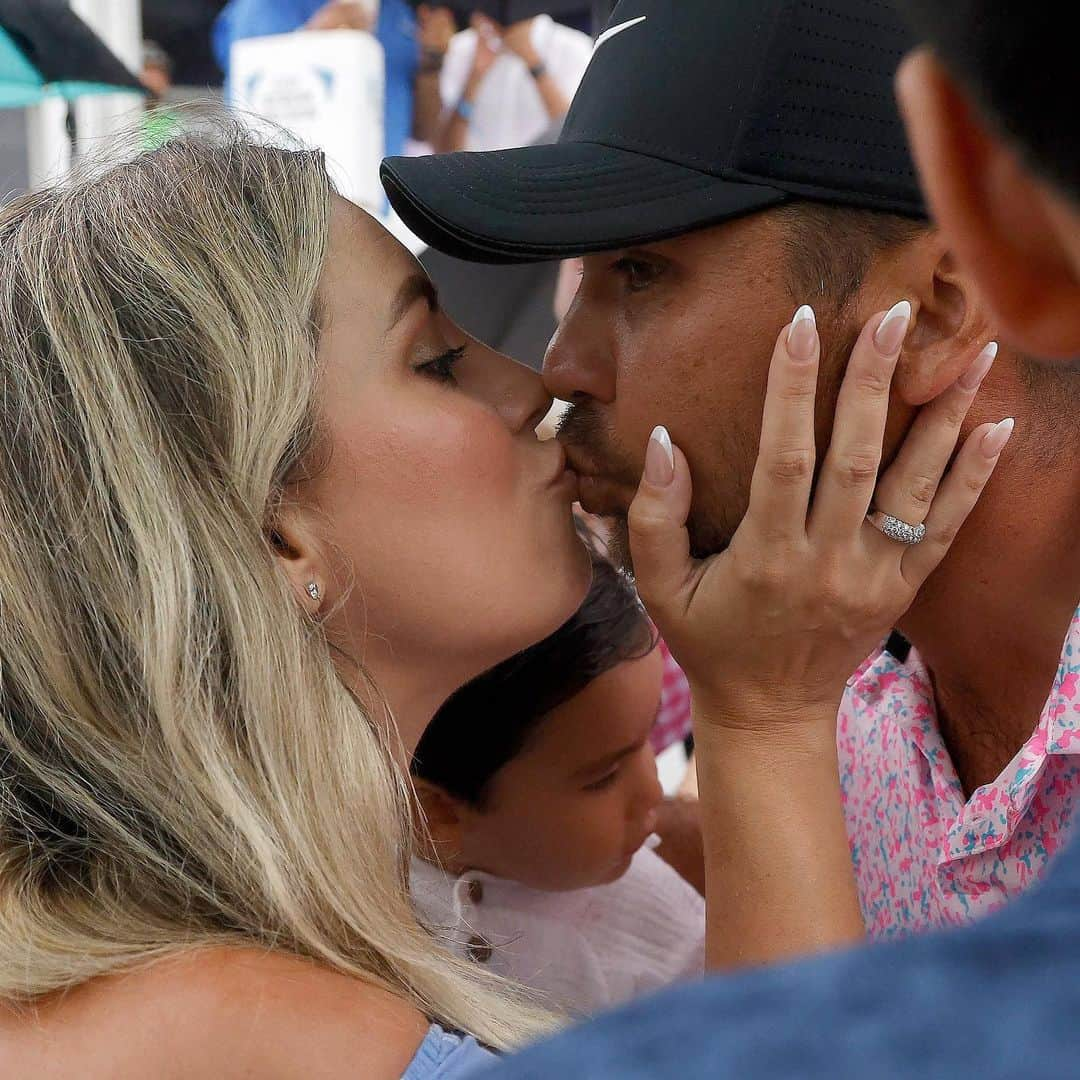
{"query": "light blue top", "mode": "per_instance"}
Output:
(396, 32)
(443, 1056)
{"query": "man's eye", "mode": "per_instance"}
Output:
(442, 367)
(637, 273)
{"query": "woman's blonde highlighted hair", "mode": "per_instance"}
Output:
(180, 765)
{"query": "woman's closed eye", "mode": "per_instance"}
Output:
(442, 367)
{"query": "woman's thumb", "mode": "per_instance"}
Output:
(659, 543)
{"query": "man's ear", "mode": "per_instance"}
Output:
(299, 553)
(949, 329)
(443, 817)
(1004, 225)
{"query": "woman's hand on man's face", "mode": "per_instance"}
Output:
(770, 630)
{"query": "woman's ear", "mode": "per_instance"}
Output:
(1004, 224)
(299, 554)
(949, 326)
(443, 818)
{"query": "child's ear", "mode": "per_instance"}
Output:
(441, 815)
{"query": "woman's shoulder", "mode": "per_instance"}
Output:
(218, 1012)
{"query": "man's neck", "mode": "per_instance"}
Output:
(991, 621)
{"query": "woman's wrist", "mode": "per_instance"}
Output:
(759, 713)
(803, 745)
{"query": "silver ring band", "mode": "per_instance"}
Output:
(895, 529)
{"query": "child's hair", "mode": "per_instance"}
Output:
(488, 722)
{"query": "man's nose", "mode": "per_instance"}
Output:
(578, 363)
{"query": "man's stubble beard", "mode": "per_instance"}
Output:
(714, 516)
(711, 524)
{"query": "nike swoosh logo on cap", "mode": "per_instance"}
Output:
(612, 31)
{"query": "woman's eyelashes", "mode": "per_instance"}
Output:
(441, 367)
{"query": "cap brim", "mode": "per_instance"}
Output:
(557, 201)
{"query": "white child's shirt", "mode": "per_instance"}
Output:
(583, 950)
(508, 110)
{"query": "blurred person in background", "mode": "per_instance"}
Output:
(157, 68)
(436, 26)
(395, 29)
(156, 74)
(504, 86)
(476, 90)
(184, 31)
(999, 156)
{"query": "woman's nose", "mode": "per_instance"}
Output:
(516, 392)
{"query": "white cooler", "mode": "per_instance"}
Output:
(326, 89)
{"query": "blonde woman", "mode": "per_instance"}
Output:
(262, 508)
(225, 397)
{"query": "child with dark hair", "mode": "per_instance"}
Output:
(538, 783)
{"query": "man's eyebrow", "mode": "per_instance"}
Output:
(413, 288)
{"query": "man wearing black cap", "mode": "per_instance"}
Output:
(723, 163)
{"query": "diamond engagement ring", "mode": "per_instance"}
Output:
(895, 529)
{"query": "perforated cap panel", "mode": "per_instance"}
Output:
(824, 120)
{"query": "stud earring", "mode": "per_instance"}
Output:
(314, 591)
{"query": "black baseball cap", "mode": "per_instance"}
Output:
(691, 112)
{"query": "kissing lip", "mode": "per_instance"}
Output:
(583, 465)
(565, 477)
(603, 497)
(602, 492)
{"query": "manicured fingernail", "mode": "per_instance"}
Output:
(659, 458)
(973, 377)
(995, 439)
(802, 335)
(893, 328)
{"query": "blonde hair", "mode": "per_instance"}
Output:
(180, 764)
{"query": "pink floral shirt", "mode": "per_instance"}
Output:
(924, 856)
(673, 722)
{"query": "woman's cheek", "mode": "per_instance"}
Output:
(450, 453)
